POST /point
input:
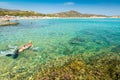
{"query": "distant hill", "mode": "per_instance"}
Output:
(71, 13)
(1, 9)
(115, 16)
(68, 14)
(18, 13)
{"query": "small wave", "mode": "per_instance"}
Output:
(4, 53)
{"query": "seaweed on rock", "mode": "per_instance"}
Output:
(104, 68)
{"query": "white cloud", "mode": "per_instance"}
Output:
(69, 3)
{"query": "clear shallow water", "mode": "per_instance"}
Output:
(58, 38)
(55, 31)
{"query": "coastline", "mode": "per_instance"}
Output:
(4, 18)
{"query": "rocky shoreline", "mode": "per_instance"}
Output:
(8, 23)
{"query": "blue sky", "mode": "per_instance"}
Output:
(105, 7)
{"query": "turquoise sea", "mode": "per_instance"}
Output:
(57, 40)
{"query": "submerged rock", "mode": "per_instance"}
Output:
(116, 49)
(103, 68)
(35, 48)
(105, 39)
(77, 40)
(98, 41)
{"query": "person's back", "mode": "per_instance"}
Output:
(25, 47)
